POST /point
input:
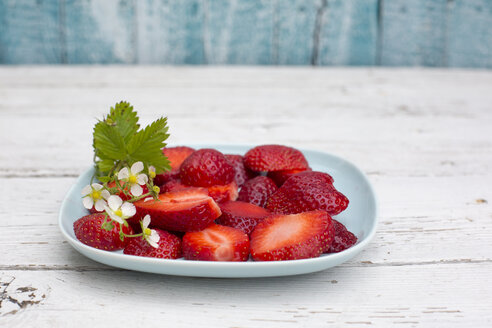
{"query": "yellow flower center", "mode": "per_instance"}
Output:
(132, 179)
(156, 189)
(118, 212)
(152, 174)
(96, 195)
(147, 232)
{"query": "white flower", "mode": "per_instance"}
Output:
(150, 235)
(119, 211)
(133, 177)
(152, 173)
(94, 196)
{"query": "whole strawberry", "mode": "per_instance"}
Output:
(307, 191)
(268, 158)
(243, 174)
(89, 231)
(257, 191)
(241, 215)
(279, 177)
(169, 246)
(205, 168)
(343, 238)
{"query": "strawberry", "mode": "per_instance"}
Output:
(291, 237)
(257, 190)
(169, 246)
(205, 168)
(220, 193)
(343, 238)
(183, 210)
(274, 158)
(279, 177)
(243, 174)
(89, 231)
(307, 191)
(223, 193)
(216, 243)
(176, 156)
(241, 215)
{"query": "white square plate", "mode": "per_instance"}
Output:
(360, 218)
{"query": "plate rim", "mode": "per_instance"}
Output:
(95, 254)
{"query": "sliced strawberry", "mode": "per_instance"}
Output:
(89, 231)
(176, 156)
(257, 190)
(205, 168)
(243, 174)
(241, 215)
(183, 210)
(216, 243)
(279, 177)
(307, 191)
(220, 193)
(169, 246)
(343, 238)
(223, 193)
(274, 158)
(291, 237)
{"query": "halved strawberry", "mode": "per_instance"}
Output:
(183, 210)
(220, 193)
(89, 231)
(169, 246)
(291, 237)
(343, 238)
(243, 174)
(223, 193)
(274, 158)
(307, 191)
(279, 177)
(176, 156)
(216, 243)
(257, 190)
(241, 215)
(205, 168)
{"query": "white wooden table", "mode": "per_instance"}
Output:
(422, 136)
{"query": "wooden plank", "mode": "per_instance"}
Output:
(347, 33)
(30, 32)
(470, 33)
(355, 297)
(293, 37)
(170, 32)
(414, 33)
(239, 32)
(99, 31)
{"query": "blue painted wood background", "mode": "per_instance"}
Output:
(448, 33)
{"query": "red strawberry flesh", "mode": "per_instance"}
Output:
(216, 243)
(291, 237)
(183, 210)
(176, 156)
(241, 215)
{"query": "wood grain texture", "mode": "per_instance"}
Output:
(30, 32)
(470, 39)
(422, 136)
(414, 33)
(347, 33)
(99, 31)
